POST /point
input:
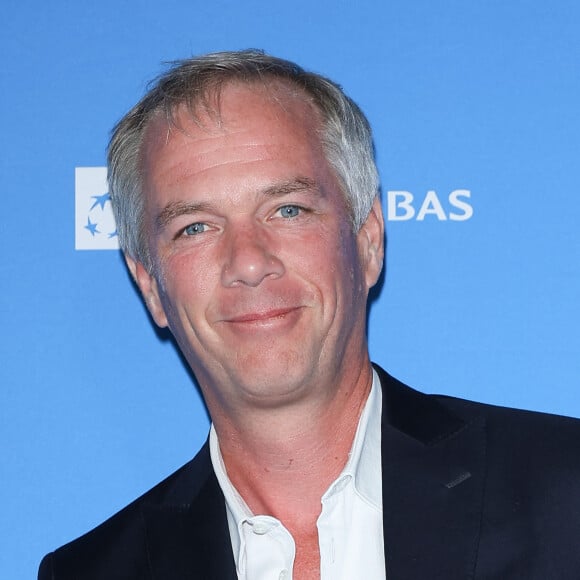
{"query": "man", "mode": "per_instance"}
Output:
(247, 206)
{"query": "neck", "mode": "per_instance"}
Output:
(282, 461)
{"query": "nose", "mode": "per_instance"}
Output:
(249, 257)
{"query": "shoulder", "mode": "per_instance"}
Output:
(517, 428)
(525, 465)
(121, 541)
(531, 460)
(521, 427)
(538, 448)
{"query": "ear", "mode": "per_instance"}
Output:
(371, 244)
(149, 289)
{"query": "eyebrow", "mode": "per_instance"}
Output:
(176, 209)
(290, 186)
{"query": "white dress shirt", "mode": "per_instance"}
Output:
(350, 525)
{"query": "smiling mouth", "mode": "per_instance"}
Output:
(261, 317)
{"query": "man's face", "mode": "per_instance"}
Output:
(257, 271)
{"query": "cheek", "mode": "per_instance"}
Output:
(187, 282)
(331, 261)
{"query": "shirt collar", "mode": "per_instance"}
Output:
(364, 460)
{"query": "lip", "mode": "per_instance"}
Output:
(261, 317)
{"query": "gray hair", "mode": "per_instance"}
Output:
(345, 132)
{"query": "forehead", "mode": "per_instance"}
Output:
(234, 105)
(243, 127)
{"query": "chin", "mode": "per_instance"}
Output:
(270, 384)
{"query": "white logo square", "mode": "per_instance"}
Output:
(94, 222)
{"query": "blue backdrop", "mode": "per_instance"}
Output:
(476, 118)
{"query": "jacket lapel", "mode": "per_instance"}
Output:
(433, 479)
(190, 540)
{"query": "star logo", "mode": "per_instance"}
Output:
(95, 225)
(92, 227)
(100, 200)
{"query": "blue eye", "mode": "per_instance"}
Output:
(289, 211)
(194, 229)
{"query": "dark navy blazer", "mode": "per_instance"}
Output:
(470, 491)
